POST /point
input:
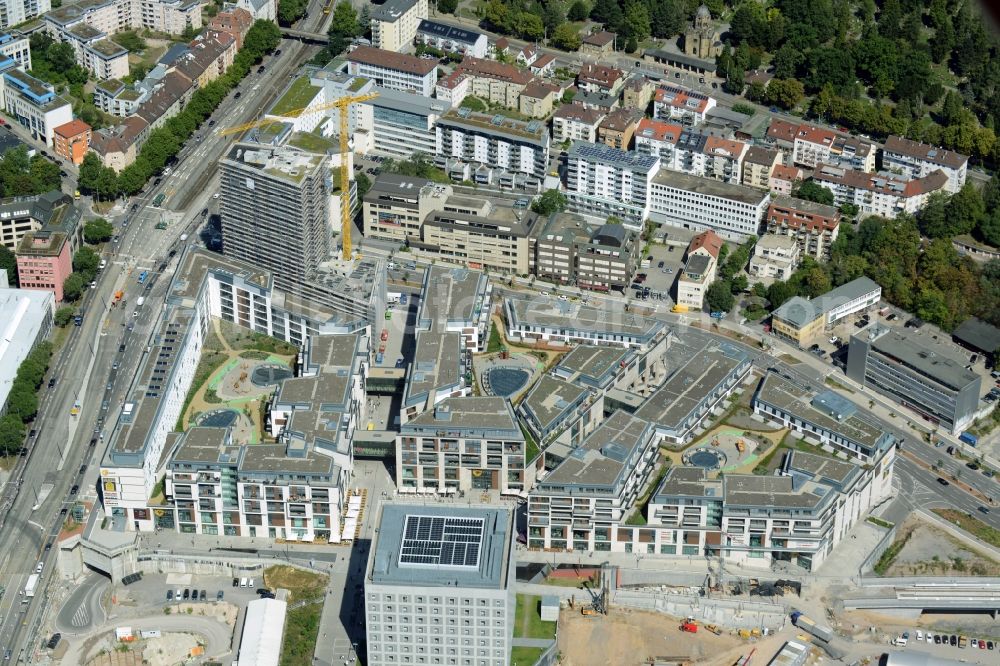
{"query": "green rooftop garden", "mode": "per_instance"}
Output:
(297, 97)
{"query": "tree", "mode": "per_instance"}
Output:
(290, 11)
(551, 201)
(363, 184)
(965, 210)
(64, 315)
(785, 93)
(989, 228)
(444, 6)
(811, 191)
(475, 104)
(344, 21)
(666, 18)
(719, 296)
(566, 37)
(739, 283)
(637, 21)
(552, 16)
(85, 262)
(8, 262)
(11, 434)
(787, 62)
(530, 27)
(578, 11)
(98, 230)
(262, 38)
(73, 287)
(778, 293)
(22, 401)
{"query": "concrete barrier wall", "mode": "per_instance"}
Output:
(724, 612)
(647, 578)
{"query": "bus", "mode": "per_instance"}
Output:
(159, 199)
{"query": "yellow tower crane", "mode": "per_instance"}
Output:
(342, 104)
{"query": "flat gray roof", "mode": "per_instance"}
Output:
(397, 100)
(767, 492)
(550, 399)
(332, 358)
(687, 482)
(603, 458)
(821, 468)
(592, 362)
(212, 448)
(436, 364)
(789, 397)
(685, 390)
(554, 313)
(442, 546)
(710, 187)
(451, 295)
(937, 364)
(464, 414)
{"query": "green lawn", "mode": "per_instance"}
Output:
(495, 341)
(524, 656)
(301, 630)
(973, 526)
(531, 449)
(312, 142)
(297, 97)
(528, 620)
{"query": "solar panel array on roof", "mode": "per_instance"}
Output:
(441, 541)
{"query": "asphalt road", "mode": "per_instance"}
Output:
(40, 485)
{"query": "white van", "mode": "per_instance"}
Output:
(250, 583)
(243, 582)
(104, 262)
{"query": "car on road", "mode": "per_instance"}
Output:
(277, 52)
(661, 264)
(187, 594)
(774, 109)
(48, 546)
(211, 123)
(52, 381)
(983, 510)
(953, 640)
(943, 482)
(74, 490)
(236, 582)
(6, 654)
(32, 433)
(202, 596)
(170, 595)
(83, 468)
(237, 95)
(219, 595)
(937, 639)
(260, 70)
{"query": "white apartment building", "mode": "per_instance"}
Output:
(16, 47)
(575, 123)
(395, 206)
(395, 23)
(913, 159)
(688, 106)
(394, 71)
(263, 10)
(813, 146)
(875, 194)
(577, 504)
(496, 142)
(451, 39)
(35, 105)
(16, 12)
(114, 16)
(604, 181)
(799, 516)
(758, 163)
(658, 138)
(398, 124)
(439, 586)
(775, 257)
(560, 322)
(699, 269)
(732, 211)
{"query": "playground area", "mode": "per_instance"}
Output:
(728, 449)
(236, 390)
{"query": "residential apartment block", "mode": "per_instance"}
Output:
(775, 257)
(394, 71)
(398, 124)
(828, 417)
(16, 12)
(566, 323)
(912, 159)
(556, 409)
(396, 206)
(451, 39)
(72, 141)
(439, 586)
(814, 146)
(758, 164)
(874, 194)
(15, 46)
(594, 78)
(492, 81)
(496, 142)
(113, 16)
(575, 123)
(52, 211)
(618, 128)
(569, 251)
(784, 179)
(917, 373)
(35, 105)
(815, 226)
(732, 211)
(394, 24)
(604, 181)
(465, 443)
(592, 490)
(699, 269)
(798, 516)
(688, 106)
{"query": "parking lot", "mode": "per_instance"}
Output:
(661, 278)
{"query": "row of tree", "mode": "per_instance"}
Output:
(22, 401)
(165, 142)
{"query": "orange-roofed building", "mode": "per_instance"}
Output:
(72, 140)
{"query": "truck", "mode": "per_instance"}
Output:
(679, 308)
(31, 586)
(118, 295)
(969, 438)
(803, 622)
(962, 640)
(393, 297)
(75, 409)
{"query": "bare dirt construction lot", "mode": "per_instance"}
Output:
(930, 551)
(633, 637)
